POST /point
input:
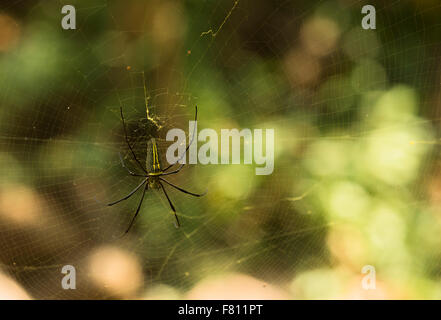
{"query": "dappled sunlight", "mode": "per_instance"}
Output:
(21, 206)
(115, 270)
(235, 287)
(11, 290)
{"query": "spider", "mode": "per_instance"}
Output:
(153, 173)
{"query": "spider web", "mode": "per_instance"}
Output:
(354, 112)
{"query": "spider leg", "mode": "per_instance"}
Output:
(128, 143)
(182, 190)
(177, 224)
(173, 172)
(192, 138)
(130, 194)
(128, 170)
(137, 210)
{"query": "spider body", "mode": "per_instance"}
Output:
(153, 173)
(153, 164)
(154, 181)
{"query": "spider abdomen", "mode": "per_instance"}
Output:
(153, 162)
(154, 182)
